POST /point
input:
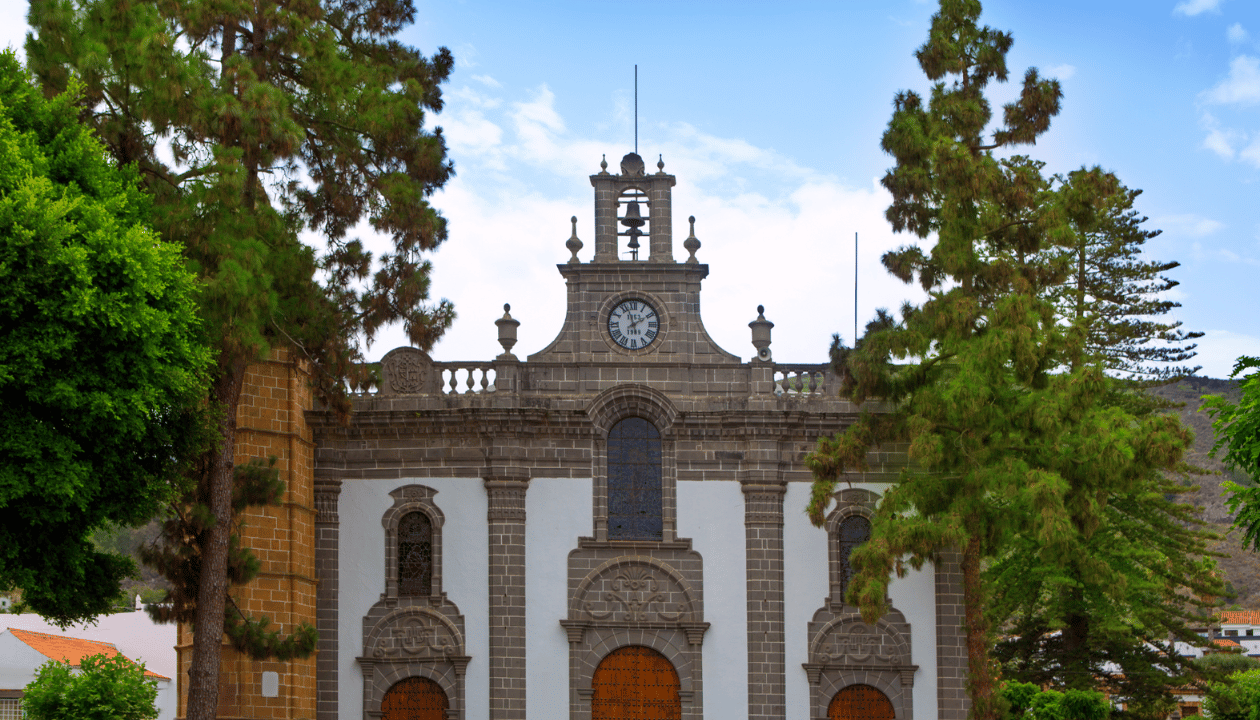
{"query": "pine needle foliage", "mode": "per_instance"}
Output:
(251, 122)
(1116, 292)
(1001, 406)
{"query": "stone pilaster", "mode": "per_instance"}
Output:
(605, 218)
(951, 640)
(506, 522)
(327, 545)
(662, 233)
(763, 533)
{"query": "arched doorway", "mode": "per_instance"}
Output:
(635, 683)
(860, 702)
(415, 699)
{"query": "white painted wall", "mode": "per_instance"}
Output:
(465, 573)
(711, 514)
(805, 590)
(807, 587)
(557, 512)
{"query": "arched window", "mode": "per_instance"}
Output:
(860, 702)
(635, 682)
(854, 530)
(634, 481)
(415, 699)
(415, 554)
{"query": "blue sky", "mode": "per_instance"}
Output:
(770, 116)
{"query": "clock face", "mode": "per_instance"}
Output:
(633, 324)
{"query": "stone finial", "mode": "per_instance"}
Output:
(692, 243)
(573, 244)
(660, 165)
(761, 334)
(507, 331)
(603, 165)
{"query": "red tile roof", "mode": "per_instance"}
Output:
(70, 650)
(1225, 642)
(1240, 617)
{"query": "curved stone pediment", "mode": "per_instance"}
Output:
(634, 591)
(850, 641)
(413, 633)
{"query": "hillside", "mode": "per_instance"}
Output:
(1241, 568)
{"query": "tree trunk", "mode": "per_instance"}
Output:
(981, 684)
(203, 674)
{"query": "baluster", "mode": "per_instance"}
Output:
(818, 382)
(794, 383)
(470, 380)
(454, 389)
(485, 379)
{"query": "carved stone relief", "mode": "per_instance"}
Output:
(407, 371)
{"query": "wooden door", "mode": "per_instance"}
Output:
(860, 702)
(415, 699)
(635, 683)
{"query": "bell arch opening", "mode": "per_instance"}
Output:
(635, 683)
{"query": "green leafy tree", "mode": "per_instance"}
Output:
(1237, 429)
(104, 688)
(1005, 416)
(101, 360)
(278, 117)
(1236, 698)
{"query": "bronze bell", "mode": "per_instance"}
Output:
(633, 219)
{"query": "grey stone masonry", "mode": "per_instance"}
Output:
(506, 520)
(327, 542)
(763, 533)
(951, 641)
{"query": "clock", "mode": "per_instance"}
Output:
(633, 324)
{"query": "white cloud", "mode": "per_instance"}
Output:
(1195, 7)
(1242, 87)
(1221, 142)
(1187, 225)
(1219, 349)
(472, 97)
(470, 132)
(1062, 72)
(1251, 153)
(487, 80)
(1236, 33)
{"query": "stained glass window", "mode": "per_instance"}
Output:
(415, 554)
(634, 481)
(854, 530)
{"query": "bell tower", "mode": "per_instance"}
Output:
(632, 304)
(619, 201)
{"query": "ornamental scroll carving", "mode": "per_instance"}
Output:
(636, 594)
(633, 593)
(858, 644)
(415, 633)
(406, 371)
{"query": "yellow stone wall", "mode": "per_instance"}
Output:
(270, 422)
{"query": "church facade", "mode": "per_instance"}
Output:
(612, 527)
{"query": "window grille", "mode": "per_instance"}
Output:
(415, 554)
(635, 510)
(854, 530)
(10, 709)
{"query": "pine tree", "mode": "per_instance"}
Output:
(1108, 617)
(1009, 435)
(1116, 293)
(251, 122)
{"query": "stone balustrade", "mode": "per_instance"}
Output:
(463, 378)
(799, 379)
